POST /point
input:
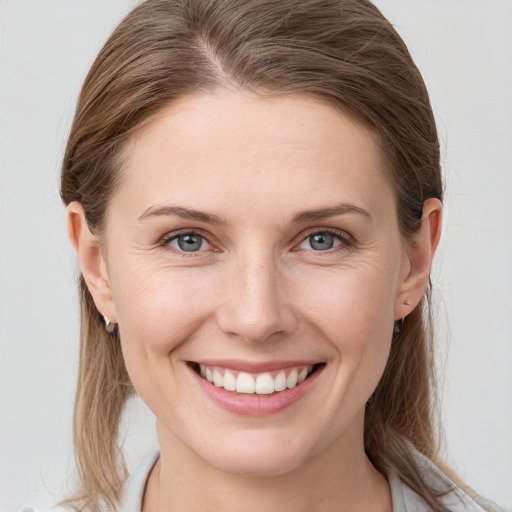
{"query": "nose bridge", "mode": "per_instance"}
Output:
(256, 307)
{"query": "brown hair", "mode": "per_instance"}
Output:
(341, 51)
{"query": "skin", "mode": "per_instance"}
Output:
(256, 290)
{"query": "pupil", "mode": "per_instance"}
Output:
(190, 242)
(322, 241)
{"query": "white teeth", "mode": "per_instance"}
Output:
(245, 383)
(291, 381)
(280, 383)
(218, 379)
(264, 384)
(302, 376)
(229, 381)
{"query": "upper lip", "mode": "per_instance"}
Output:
(255, 366)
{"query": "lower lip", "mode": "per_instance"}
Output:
(256, 405)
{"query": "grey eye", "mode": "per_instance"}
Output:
(321, 241)
(188, 242)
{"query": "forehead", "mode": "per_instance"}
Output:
(231, 147)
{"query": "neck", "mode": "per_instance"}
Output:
(338, 478)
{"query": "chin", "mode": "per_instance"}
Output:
(260, 454)
(256, 465)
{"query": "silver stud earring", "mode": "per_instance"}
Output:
(109, 326)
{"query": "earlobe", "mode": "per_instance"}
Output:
(91, 259)
(420, 254)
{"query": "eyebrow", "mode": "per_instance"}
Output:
(209, 218)
(184, 213)
(333, 211)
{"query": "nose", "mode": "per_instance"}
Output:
(255, 306)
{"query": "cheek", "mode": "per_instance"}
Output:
(350, 303)
(353, 311)
(158, 309)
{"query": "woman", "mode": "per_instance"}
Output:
(254, 194)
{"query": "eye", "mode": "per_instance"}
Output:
(187, 242)
(323, 241)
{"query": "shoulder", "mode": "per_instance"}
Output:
(131, 498)
(133, 490)
(455, 499)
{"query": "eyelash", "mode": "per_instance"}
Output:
(167, 239)
(346, 241)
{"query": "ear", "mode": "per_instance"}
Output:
(91, 259)
(420, 253)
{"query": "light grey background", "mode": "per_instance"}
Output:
(464, 48)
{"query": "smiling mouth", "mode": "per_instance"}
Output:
(264, 383)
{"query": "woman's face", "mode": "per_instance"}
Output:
(255, 241)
